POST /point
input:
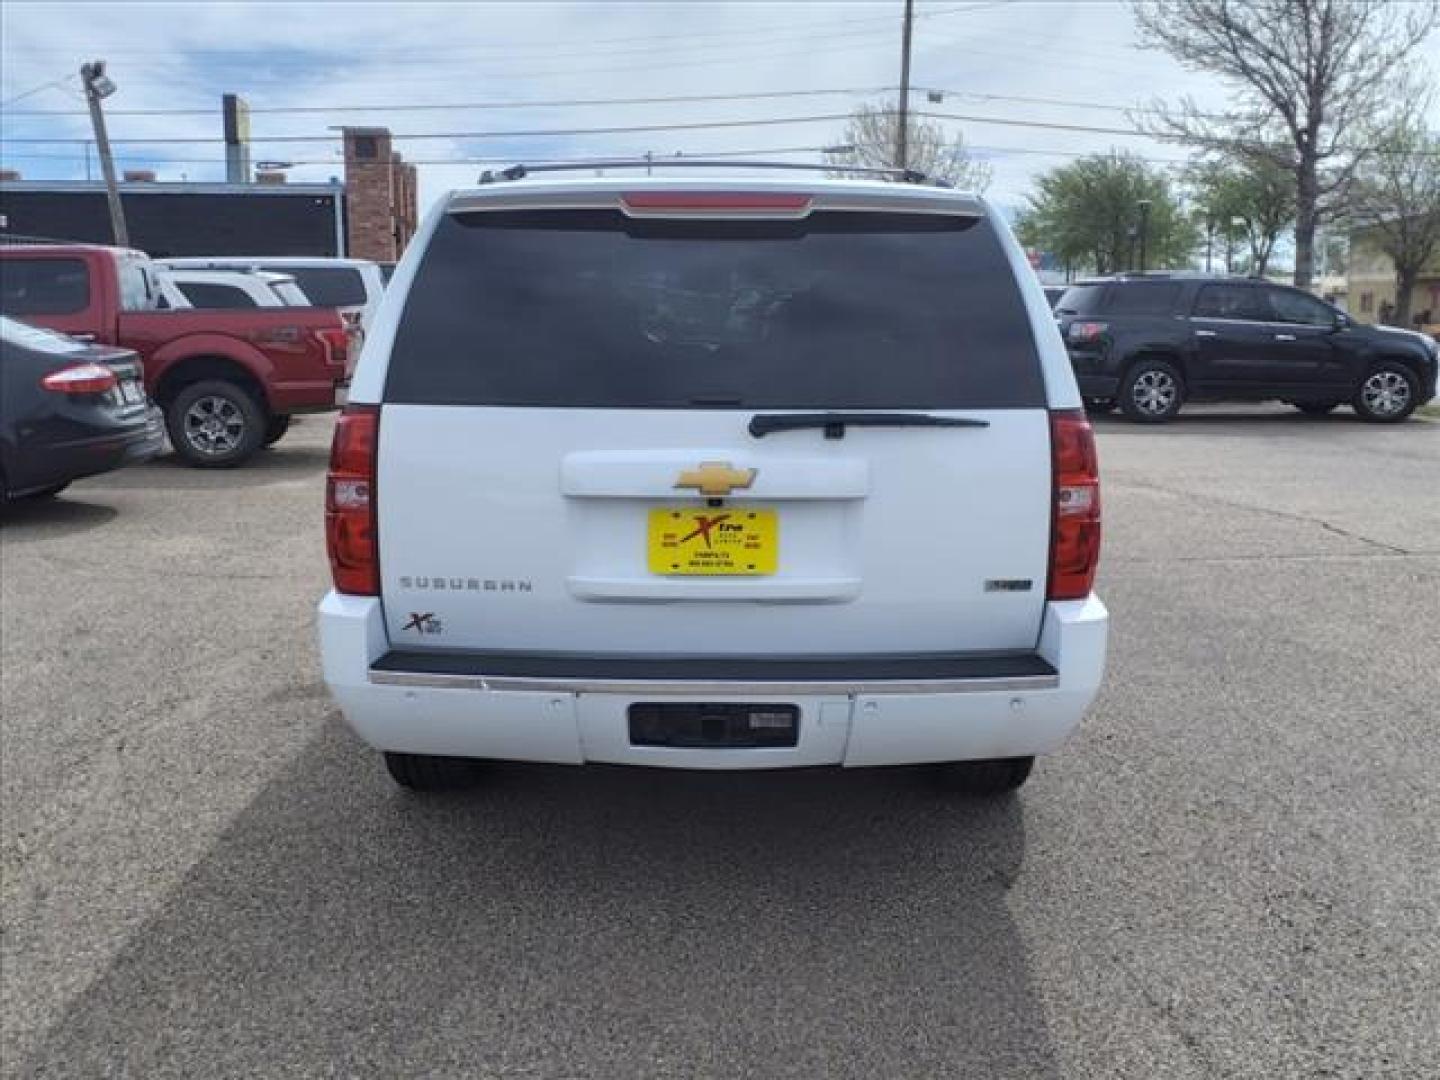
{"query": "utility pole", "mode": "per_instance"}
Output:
(98, 87)
(902, 134)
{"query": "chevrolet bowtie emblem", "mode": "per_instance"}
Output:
(716, 478)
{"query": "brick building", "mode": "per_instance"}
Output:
(380, 195)
(371, 215)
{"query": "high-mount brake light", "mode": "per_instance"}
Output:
(740, 203)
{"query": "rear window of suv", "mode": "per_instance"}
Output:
(590, 308)
(1143, 298)
(328, 286)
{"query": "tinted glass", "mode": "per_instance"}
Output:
(1080, 300)
(327, 286)
(1143, 298)
(590, 308)
(215, 296)
(1232, 302)
(43, 286)
(1295, 307)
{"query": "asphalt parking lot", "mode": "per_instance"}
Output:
(1233, 871)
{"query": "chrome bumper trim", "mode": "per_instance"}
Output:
(712, 687)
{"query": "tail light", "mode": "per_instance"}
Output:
(350, 531)
(1075, 528)
(80, 379)
(336, 340)
(1086, 333)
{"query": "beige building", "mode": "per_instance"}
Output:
(1371, 286)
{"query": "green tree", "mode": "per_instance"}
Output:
(1252, 196)
(1396, 199)
(870, 140)
(1089, 214)
(1312, 70)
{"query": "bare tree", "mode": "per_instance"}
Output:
(1311, 71)
(1396, 199)
(870, 141)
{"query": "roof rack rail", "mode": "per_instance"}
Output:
(520, 171)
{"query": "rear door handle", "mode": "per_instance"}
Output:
(1204, 333)
(1284, 337)
(88, 338)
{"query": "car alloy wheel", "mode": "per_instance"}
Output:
(1386, 393)
(1154, 392)
(214, 425)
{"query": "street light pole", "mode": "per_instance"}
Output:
(902, 134)
(98, 87)
(1144, 205)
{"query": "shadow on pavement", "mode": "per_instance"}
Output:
(27, 520)
(579, 922)
(1245, 420)
(279, 462)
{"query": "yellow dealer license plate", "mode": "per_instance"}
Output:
(706, 541)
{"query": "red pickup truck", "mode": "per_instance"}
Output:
(228, 381)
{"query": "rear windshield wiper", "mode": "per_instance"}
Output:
(835, 423)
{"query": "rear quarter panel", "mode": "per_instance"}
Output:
(276, 346)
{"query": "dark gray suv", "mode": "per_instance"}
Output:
(1150, 344)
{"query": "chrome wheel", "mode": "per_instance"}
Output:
(1154, 392)
(214, 425)
(1385, 393)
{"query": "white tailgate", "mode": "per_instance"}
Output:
(526, 529)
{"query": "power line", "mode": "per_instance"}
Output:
(632, 129)
(689, 99)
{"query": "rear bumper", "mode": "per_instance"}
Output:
(547, 709)
(1098, 386)
(105, 444)
(310, 396)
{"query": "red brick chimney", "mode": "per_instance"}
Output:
(379, 195)
(267, 176)
(139, 176)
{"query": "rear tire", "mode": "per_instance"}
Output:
(214, 424)
(1152, 391)
(423, 772)
(992, 778)
(45, 493)
(1316, 408)
(275, 429)
(1388, 394)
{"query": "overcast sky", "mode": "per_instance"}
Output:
(1082, 56)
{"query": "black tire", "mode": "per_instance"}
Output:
(275, 429)
(237, 433)
(1388, 393)
(1152, 391)
(41, 494)
(1099, 406)
(422, 772)
(988, 779)
(1316, 408)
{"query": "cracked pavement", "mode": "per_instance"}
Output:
(1233, 871)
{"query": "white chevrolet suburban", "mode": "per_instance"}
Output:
(714, 474)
